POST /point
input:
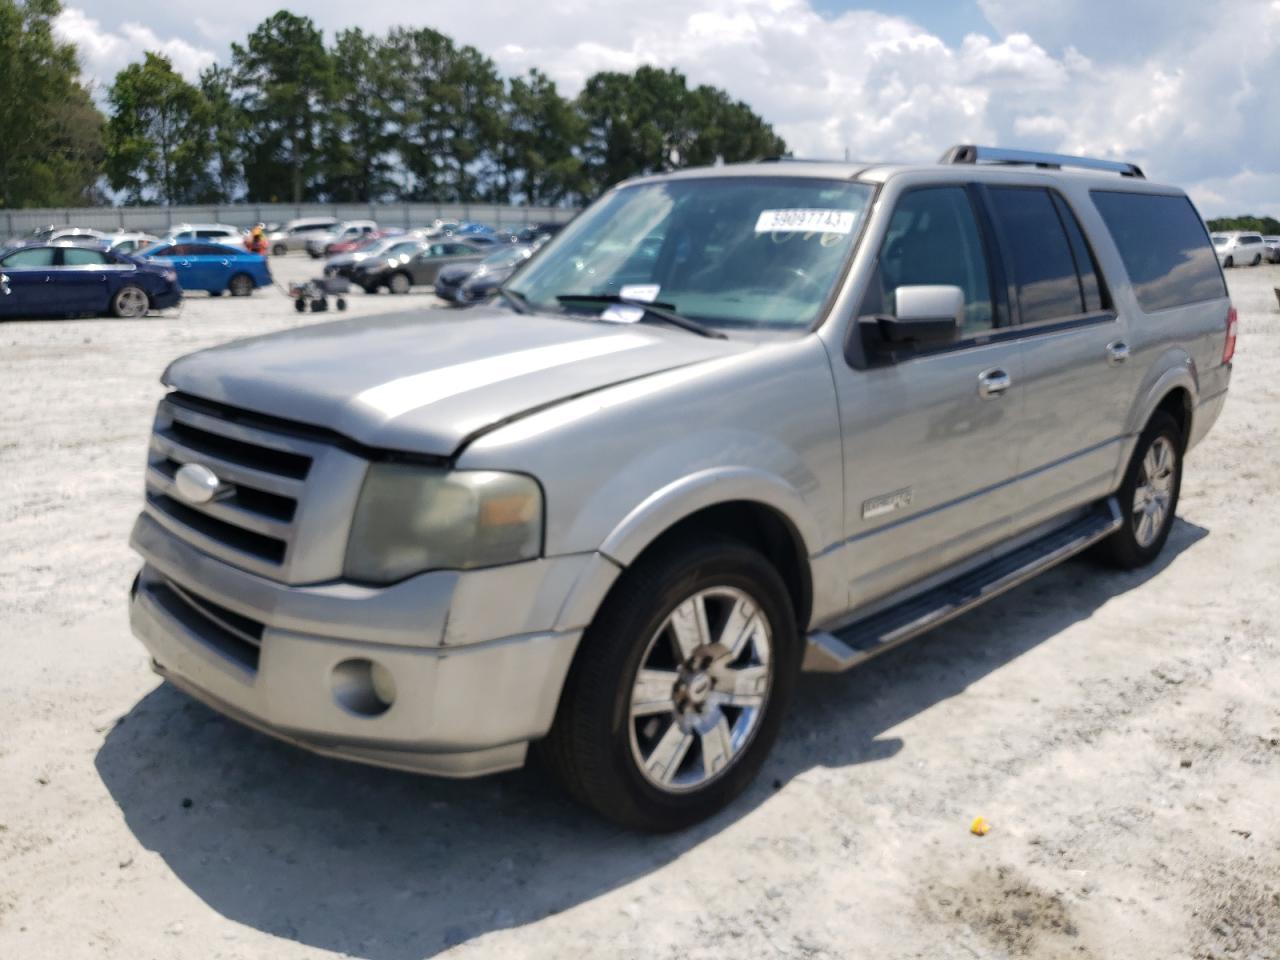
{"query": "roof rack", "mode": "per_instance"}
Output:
(969, 153)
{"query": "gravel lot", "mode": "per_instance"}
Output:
(1121, 732)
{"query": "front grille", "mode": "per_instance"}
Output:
(234, 636)
(251, 521)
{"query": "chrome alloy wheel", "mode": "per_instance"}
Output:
(1154, 491)
(132, 302)
(701, 689)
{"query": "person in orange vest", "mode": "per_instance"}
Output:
(256, 241)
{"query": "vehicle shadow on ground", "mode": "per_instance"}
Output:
(392, 866)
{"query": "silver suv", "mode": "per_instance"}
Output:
(732, 423)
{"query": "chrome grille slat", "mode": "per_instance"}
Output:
(224, 510)
(210, 543)
(283, 494)
(172, 449)
(245, 434)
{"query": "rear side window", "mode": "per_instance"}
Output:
(1044, 266)
(1164, 246)
(80, 257)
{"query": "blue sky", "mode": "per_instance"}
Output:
(1190, 89)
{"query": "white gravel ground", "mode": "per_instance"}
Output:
(1121, 732)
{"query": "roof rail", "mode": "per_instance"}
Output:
(969, 153)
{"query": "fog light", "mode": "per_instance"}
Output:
(363, 687)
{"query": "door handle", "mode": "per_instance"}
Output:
(1117, 352)
(993, 383)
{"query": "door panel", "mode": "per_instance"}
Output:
(927, 463)
(1077, 381)
(927, 436)
(29, 282)
(80, 280)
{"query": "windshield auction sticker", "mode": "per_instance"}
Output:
(805, 221)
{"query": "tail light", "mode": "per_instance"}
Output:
(1233, 323)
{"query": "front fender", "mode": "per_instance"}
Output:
(684, 497)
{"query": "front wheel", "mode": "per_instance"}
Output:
(279, 250)
(399, 283)
(130, 302)
(241, 285)
(1256, 260)
(1229, 262)
(679, 686)
(1148, 497)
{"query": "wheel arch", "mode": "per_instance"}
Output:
(742, 504)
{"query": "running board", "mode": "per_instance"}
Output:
(832, 652)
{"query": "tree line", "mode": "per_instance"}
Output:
(408, 115)
(1267, 226)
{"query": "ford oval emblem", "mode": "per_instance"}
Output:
(196, 483)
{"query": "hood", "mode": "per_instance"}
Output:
(426, 381)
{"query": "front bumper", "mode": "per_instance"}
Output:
(475, 677)
(168, 297)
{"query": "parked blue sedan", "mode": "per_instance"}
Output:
(212, 266)
(63, 279)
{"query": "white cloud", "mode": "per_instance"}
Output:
(1183, 87)
(104, 53)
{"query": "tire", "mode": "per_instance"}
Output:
(399, 283)
(130, 302)
(1257, 259)
(279, 250)
(241, 285)
(1135, 544)
(300, 305)
(369, 287)
(341, 303)
(1228, 263)
(610, 757)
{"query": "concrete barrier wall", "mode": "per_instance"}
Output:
(158, 219)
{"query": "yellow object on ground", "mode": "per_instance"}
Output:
(979, 827)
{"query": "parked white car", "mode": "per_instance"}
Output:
(295, 234)
(1239, 249)
(1273, 248)
(216, 232)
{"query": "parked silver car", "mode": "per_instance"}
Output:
(731, 423)
(1273, 248)
(1239, 248)
(295, 234)
(317, 243)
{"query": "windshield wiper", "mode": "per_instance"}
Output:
(663, 311)
(516, 301)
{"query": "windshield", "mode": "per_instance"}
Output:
(728, 251)
(1220, 241)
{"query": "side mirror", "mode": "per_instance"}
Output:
(925, 314)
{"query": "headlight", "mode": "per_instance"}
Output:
(411, 519)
